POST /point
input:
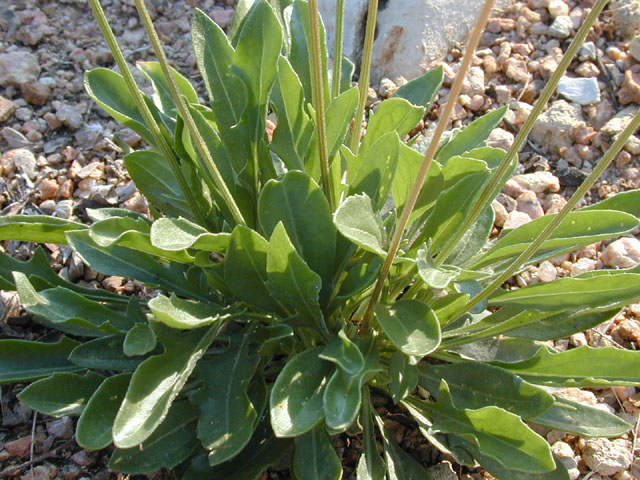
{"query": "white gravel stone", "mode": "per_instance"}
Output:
(583, 265)
(25, 161)
(18, 68)
(555, 126)
(607, 457)
(577, 395)
(500, 138)
(528, 203)
(561, 27)
(547, 272)
(538, 182)
(634, 48)
(623, 253)
(626, 17)
(516, 219)
(584, 91)
(557, 8)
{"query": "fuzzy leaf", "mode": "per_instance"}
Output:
(393, 115)
(37, 228)
(314, 457)
(179, 234)
(370, 465)
(187, 314)
(139, 340)
(23, 361)
(421, 90)
(357, 221)
(404, 377)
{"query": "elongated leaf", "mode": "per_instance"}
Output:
(262, 451)
(549, 326)
(179, 234)
(314, 236)
(109, 90)
(357, 221)
(314, 457)
(404, 377)
(436, 277)
(296, 396)
(577, 230)
(359, 277)
(23, 361)
(474, 239)
(162, 97)
(61, 394)
(170, 444)
(461, 166)
(153, 177)
(393, 115)
(124, 262)
(290, 280)
(603, 293)
(344, 353)
(475, 385)
(227, 416)
(347, 71)
(36, 228)
(69, 311)
(186, 314)
(370, 465)
(245, 268)
(421, 90)
(472, 136)
(105, 353)
(157, 382)
(496, 433)
(628, 202)
(580, 419)
(139, 340)
(95, 425)
(401, 465)
(410, 325)
(579, 367)
(293, 131)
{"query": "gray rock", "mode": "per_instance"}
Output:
(25, 162)
(561, 27)
(554, 128)
(626, 17)
(607, 457)
(354, 15)
(584, 91)
(18, 68)
(69, 116)
(14, 138)
(634, 48)
(588, 49)
(7, 107)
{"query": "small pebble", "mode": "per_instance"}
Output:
(622, 253)
(607, 457)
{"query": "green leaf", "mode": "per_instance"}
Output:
(290, 201)
(156, 383)
(69, 311)
(497, 433)
(376, 169)
(401, 465)
(290, 280)
(170, 444)
(296, 396)
(344, 353)
(37, 228)
(411, 326)
(451, 209)
(370, 465)
(421, 90)
(393, 115)
(176, 234)
(628, 202)
(187, 314)
(358, 278)
(293, 130)
(109, 90)
(404, 377)
(314, 457)
(549, 326)
(227, 416)
(357, 221)
(347, 71)
(23, 361)
(475, 385)
(105, 354)
(245, 268)
(139, 340)
(474, 239)
(460, 166)
(579, 367)
(95, 425)
(603, 293)
(124, 262)
(579, 229)
(472, 136)
(447, 307)
(162, 97)
(154, 178)
(61, 394)
(436, 277)
(580, 419)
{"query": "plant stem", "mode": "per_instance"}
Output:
(608, 157)
(495, 184)
(474, 40)
(337, 48)
(199, 142)
(318, 101)
(365, 73)
(150, 122)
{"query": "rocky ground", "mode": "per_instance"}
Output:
(59, 155)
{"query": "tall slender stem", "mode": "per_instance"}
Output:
(149, 121)
(474, 40)
(199, 142)
(365, 73)
(492, 188)
(317, 89)
(608, 157)
(337, 48)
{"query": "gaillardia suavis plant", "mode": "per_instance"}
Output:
(302, 271)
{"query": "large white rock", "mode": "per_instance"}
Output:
(354, 25)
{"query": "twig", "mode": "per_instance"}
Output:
(607, 79)
(7, 472)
